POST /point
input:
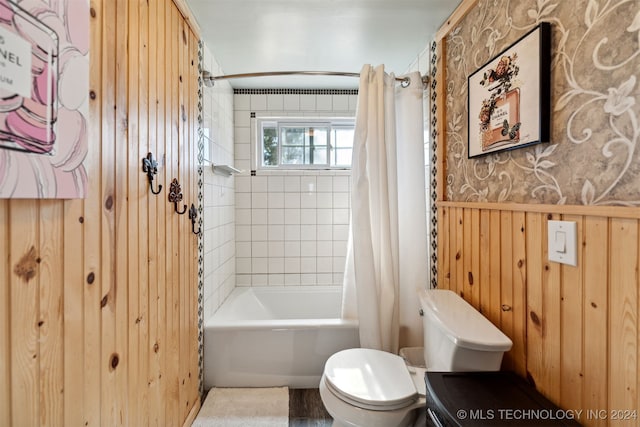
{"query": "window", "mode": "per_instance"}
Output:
(305, 143)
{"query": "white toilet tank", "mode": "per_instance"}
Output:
(457, 337)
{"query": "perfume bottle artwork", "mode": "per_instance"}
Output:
(503, 126)
(500, 114)
(28, 81)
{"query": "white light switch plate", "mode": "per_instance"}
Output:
(562, 242)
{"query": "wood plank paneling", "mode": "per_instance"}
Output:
(535, 327)
(550, 380)
(575, 329)
(506, 282)
(72, 341)
(146, 223)
(5, 319)
(133, 231)
(467, 255)
(494, 261)
(595, 240)
(108, 390)
(90, 406)
(571, 312)
(623, 316)
(485, 272)
(452, 268)
(85, 339)
(173, 310)
(182, 244)
(518, 301)
(154, 50)
(444, 237)
(119, 356)
(458, 277)
(50, 314)
(473, 275)
(160, 346)
(24, 257)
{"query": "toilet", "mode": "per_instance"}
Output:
(372, 388)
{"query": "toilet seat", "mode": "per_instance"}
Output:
(370, 379)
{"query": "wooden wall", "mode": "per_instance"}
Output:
(98, 297)
(575, 329)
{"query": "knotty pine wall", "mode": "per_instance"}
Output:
(98, 297)
(574, 329)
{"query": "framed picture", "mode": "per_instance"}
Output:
(509, 97)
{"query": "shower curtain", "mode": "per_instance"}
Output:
(387, 249)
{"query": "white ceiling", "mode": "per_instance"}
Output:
(248, 36)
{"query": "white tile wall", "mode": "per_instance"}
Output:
(291, 226)
(220, 231)
(422, 64)
(306, 230)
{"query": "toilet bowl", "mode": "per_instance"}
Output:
(365, 387)
(372, 388)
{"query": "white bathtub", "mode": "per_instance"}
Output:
(275, 336)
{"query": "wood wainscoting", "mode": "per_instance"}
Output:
(98, 297)
(574, 329)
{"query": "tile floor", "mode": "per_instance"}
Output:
(306, 409)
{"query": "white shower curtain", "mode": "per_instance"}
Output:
(387, 249)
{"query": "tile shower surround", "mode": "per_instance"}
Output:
(227, 116)
(291, 226)
(291, 229)
(218, 191)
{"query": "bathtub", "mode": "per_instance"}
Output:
(275, 336)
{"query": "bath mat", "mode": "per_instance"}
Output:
(245, 407)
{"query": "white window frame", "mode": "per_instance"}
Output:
(330, 122)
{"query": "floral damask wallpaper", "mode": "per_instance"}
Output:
(593, 157)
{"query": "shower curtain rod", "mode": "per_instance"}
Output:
(208, 77)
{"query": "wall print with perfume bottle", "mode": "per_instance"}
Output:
(509, 97)
(44, 83)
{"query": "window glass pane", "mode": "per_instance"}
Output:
(319, 136)
(319, 156)
(292, 136)
(343, 157)
(269, 145)
(300, 142)
(292, 155)
(304, 145)
(344, 137)
(317, 146)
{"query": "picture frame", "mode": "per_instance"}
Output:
(509, 97)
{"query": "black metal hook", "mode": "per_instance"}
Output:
(193, 215)
(150, 167)
(175, 196)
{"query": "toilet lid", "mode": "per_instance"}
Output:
(371, 379)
